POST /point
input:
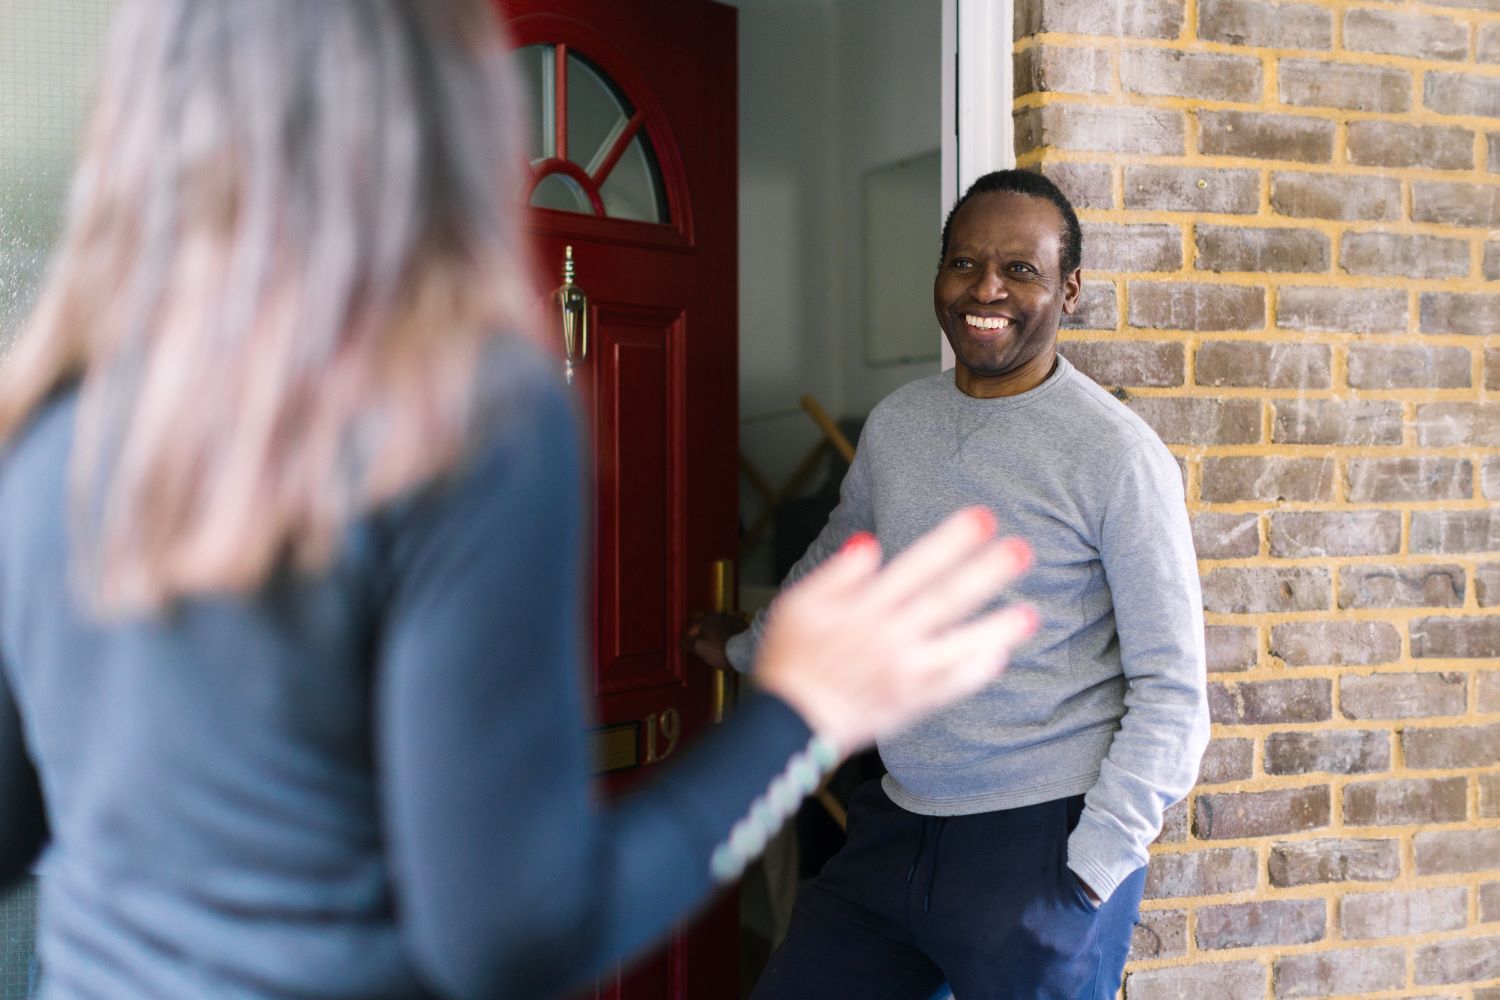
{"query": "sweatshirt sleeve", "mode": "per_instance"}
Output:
(23, 824)
(1147, 551)
(510, 877)
(855, 513)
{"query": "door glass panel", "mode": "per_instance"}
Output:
(632, 190)
(596, 115)
(535, 68)
(563, 193)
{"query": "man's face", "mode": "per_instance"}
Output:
(1000, 291)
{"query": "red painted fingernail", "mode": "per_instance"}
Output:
(983, 519)
(1030, 620)
(1021, 552)
(860, 540)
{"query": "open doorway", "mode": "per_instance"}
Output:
(841, 120)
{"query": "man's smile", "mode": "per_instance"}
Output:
(987, 322)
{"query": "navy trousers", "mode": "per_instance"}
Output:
(983, 902)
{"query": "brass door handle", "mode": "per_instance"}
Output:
(575, 317)
(723, 602)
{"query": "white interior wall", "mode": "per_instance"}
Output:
(828, 90)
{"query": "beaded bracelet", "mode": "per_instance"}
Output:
(799, 779)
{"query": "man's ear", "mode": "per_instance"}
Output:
(1072, 288)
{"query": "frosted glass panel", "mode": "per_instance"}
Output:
(48, 56)
(48, 53)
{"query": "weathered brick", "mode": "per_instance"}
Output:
(1108, 246)
(1335, 196)
(1367, 586)
(1127, 362)
(1491, 366)
(1406, 801)
(1178, 305)
(1194, 189)
(1460, 312)
(1342, 643)
(1462, 960)
(1490, 799)
(1379, 366)
(1399, 914)
(1337, 751)
(1227, 760)
(1402, 696)
(1374, 480)
(1220, 980)
(1308, 862)
(1159, 934)
(1492, 152)
(1454, 747)
(1226, 536)
(1376, 143)
(1399, 34)
(1299, 534)
(1258, 590)
(1087, 185)
(1337, 421)
(1487, 50)
(1342, 310)
(1489, 690)
(1489, 901)
(1192, 420)
(1451, 852)
(1258, 364)
(1318, 83)
(1144, 19)
(1096, 308)
(1055, 69)
(1395, 255)
(1100, 129)
(1231, 647)
(1490, 479)
(1445, 425)
(1201, 873)
(1487, 584)
(1262, 922)
(1455, 530)
(1455, 203)
(1174, 824)
(1296, 699)
(1202, 76)
(1455, 638)
(1330, 973)
(1238, 248)
(1265, 136)
(1461, 94)
(1228, 480)
(1261, 24)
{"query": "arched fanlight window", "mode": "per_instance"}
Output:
(589, 149)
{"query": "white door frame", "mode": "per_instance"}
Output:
(978, 134)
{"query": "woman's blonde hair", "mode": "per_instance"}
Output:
(290, 235)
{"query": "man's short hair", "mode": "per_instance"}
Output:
(1070, 250)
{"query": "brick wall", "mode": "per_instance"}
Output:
(1292, 262)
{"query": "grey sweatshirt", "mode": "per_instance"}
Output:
(1109, 698)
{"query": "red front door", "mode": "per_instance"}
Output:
(634, 168)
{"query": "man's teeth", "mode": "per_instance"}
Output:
(987, 322)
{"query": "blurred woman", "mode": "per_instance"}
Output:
(290, 551)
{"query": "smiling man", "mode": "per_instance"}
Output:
(1005, 849)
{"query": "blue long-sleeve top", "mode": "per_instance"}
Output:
(370, 784)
